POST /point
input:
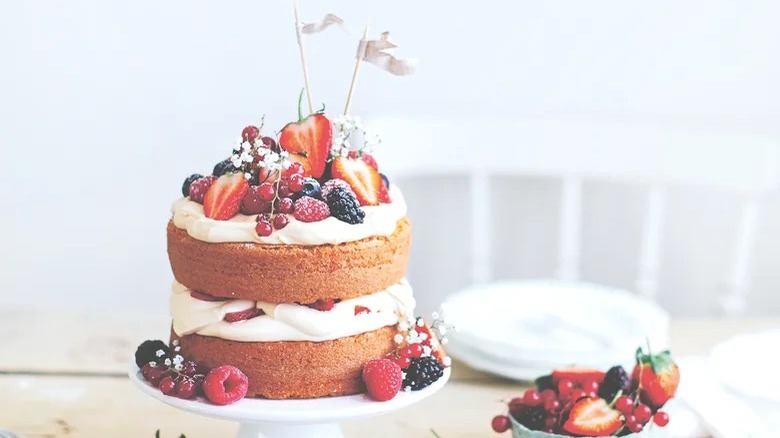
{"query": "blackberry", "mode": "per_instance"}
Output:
(616, 380)
(422, 372)
(544, 382)
(185, 188)
(532, 417)
(147, 352)
(344, 206)
(222, 168)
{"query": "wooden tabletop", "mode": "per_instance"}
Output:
(64, 375)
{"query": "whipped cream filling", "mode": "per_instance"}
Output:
(380, 220)
(290, 321)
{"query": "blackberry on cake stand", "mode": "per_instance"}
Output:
(315, 418)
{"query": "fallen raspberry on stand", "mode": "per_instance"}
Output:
(225, 385)
(382, 378)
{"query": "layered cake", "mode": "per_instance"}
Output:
(289, 262)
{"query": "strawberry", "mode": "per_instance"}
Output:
(242, 315)
(384, 193)
(656, 377)
(593, 417)
(224, 197)
(432, 341)
(364, 179)
(305, 164)
(382, 378)
(578, 375)
(323, 304)
(361, 309)
(311, 136)
(369, 159)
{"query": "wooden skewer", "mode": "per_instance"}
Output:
(354, 76)
(303, 57)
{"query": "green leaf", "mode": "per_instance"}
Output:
(300, 103)
(157, 434)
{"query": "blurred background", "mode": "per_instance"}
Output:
(630, 144)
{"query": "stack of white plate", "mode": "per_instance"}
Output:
(524, 329)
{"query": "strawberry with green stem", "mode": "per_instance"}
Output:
(310, 136)
(655, 377)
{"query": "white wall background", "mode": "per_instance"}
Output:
(106, 106)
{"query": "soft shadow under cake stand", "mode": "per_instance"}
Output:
(315, 418)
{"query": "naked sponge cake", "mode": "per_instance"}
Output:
(289, 262)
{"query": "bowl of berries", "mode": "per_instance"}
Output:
(579, 401)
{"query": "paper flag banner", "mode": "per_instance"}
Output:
(373, 51)
(328, 20)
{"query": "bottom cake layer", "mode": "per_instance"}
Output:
(302, 369)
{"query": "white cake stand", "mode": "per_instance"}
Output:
(315, 418)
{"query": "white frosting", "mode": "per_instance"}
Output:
(380, 220)
(290, 321)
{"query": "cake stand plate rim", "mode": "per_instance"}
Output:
(298, 411)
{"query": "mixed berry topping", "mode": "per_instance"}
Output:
(312, 157)
(167, 370)
(588, 402)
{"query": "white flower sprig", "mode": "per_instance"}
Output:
(347, 128)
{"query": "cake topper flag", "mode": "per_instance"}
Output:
(375, 52)
(310, 28)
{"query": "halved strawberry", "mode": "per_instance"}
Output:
(242, 315)
(578, 375)
(364, 179)
(432, 341)
(311, 136)
(205, 297)
(593, 417)
(369, 159)
(224, 197)
(295, 158)
(361, 309)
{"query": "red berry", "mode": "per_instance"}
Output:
(266, 191)
(630, 418)
(532, 398)
(323, 304)
(624, 404)
(382, 378)
(661, 418)
(411, 350)
(253, 203)
(295, 182)
(548, 394)
(643, 413)
(402, 361)
(200, 186)
(224, 385)
(263, 228)
(243, 315)
(269, 143)
(284, 188)
(155, 375)
(167, 385)
(145, 371)
(368, 159)
(185, 389)
(295, 168)
(500, 423)
(361, 309)
(591, 394)
(285, 205)
(197, 380)
(549, 422)
(577, 394)
(206, 297)
(280, 221)
(250, 133)
(189, 368)
(565, 387)
(552, 405)
(308, 209)
(590, 386)
(634, 427)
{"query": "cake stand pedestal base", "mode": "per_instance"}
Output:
(309, 418)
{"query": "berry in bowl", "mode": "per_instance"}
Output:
(589, 402)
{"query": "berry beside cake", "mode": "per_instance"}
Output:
(289, 262)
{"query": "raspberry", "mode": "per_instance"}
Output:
(200, 186)
(308, 209)
(423, 372)
(147, 352)
(344, 206)
(185, 188)
(332, 184)
(225, 385)
(382, 378)
(253, 203)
